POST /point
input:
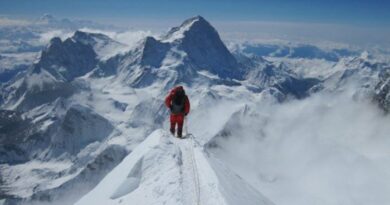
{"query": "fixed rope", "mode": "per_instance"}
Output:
(194, 166)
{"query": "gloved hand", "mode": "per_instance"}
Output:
(185, 114)
(170, 108)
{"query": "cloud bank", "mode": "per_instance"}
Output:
(328, 149)
(313, 33)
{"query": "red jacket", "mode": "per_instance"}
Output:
(168, 100)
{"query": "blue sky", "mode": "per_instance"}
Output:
(356, 12)
(361, 22)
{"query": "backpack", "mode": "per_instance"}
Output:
(178, 102)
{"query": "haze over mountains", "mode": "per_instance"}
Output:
(82, 119)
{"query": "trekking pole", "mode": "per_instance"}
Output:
(185, 124)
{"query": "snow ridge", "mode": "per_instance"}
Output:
(166, 170)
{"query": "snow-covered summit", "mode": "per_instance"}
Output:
(89, 38)
(67, 59)
(178, 32)
(77, 55)
(177, 57)
(59, 64)
(204, 47)
(104, 46)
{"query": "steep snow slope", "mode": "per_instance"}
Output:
(164, 170)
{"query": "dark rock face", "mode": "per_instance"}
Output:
(120, 105)
(90, 38)
(299, 88)
(14, 130)
(10, 121)
(67, 60)
(154, 52)
(382, 91)
(206, 49)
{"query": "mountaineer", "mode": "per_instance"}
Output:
(179, 106)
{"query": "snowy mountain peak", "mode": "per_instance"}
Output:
(54, 42)
(89, 38)
(204, 47)
(177, 33)
(196, 21)
(149, 41)
(103, 45)
(153, 52)
(67, 59)
(193, 46)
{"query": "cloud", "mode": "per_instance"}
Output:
(13, 22)
(312, 33)
(327, 149)
(129, 38)
(132, 37)
(44, 38)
